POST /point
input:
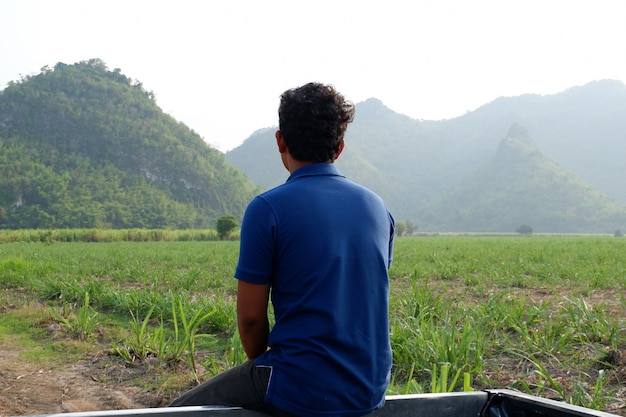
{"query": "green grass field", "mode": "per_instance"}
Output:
(543, 315)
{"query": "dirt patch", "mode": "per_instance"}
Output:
(84, 386)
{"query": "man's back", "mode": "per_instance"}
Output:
(324, 245)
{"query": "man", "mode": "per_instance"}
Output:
(321, 246)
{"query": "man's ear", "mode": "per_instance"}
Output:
(280, 141)
(341, 145)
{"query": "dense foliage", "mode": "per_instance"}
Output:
(82, 146)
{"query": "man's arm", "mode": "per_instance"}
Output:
(252, 321)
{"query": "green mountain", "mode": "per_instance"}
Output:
(421, 167)
(82, 146)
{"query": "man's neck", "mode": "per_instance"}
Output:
(293, 164)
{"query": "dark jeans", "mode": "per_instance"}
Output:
(241, 386)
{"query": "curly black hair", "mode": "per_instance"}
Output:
(313, 119)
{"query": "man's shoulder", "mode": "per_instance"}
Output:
(363, 189)
(317, 185)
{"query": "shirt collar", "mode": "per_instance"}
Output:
(318, 169)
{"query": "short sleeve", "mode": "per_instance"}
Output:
(257, 243)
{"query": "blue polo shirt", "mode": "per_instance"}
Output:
(324, 244)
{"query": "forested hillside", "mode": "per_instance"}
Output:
(83, 146)
(450, 175)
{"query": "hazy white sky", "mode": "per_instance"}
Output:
(220, 66)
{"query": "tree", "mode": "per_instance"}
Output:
(410, 227)
(225, 225)
(401, 227)
(525, 230)
(618, 233)
(405, 228)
